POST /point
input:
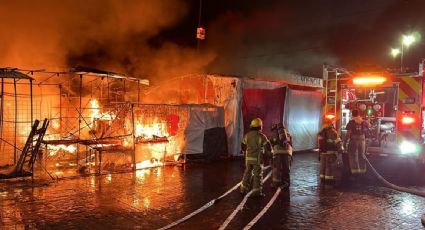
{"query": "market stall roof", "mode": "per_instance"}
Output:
(276, 79)
(16, 73)
(13, 73)
(96, 72)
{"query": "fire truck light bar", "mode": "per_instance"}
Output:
(369, 80)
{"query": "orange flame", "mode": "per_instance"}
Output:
(54, 149)
(148, 131)
(149, 164)
(96, 114)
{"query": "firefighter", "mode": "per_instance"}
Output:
(254, 144)
(282, 153)
(330, 148)
(356, 137)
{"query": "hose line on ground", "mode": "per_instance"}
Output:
(391, 185)
(240, 206)
(265, 209)
(204, 207)
(396, 187)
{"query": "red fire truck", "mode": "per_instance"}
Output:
(394, 105)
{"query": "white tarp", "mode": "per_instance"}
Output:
(228, 94)
(200, 119)
(302, 117)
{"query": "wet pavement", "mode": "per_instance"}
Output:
(153, 198)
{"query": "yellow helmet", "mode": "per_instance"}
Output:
(257, 122)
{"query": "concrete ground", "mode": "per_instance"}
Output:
(152, 198)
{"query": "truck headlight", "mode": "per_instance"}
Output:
(407, 147)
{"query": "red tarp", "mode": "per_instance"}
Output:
(267, 104)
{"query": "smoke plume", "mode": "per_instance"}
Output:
(105, 34)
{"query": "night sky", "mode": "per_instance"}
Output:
(302, 35)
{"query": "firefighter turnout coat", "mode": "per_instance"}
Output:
(330, 147)
(282, 152)
(254, 143)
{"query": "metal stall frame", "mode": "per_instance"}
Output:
(16, 75)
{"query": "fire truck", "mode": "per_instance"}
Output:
(394, 105)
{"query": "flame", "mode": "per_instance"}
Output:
(176, 157)
(55, 148)
(126, 142)
(94, 105)
(55, 124)
(96, 114)
(148, 131)
(149, 164)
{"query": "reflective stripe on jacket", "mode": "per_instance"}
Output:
(278, 149)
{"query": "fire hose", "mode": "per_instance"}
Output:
(265, 209)
(380, 178)
(240, 206)
(396, 187)
(207, 205)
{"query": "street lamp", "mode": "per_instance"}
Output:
(395, 52)
(406, 41)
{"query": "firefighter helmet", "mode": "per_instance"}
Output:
(256, 123)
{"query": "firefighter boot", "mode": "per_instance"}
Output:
(246, 180)
(257, 184)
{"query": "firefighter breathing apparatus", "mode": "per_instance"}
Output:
(329, 119)
(394, 102)
(255, 123)
(274, 197)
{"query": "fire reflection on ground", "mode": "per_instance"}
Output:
(152, 198)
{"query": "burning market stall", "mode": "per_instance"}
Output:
(93, 127)
(16, 113)
(292, 99)
(214, 101)
(98, 123)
